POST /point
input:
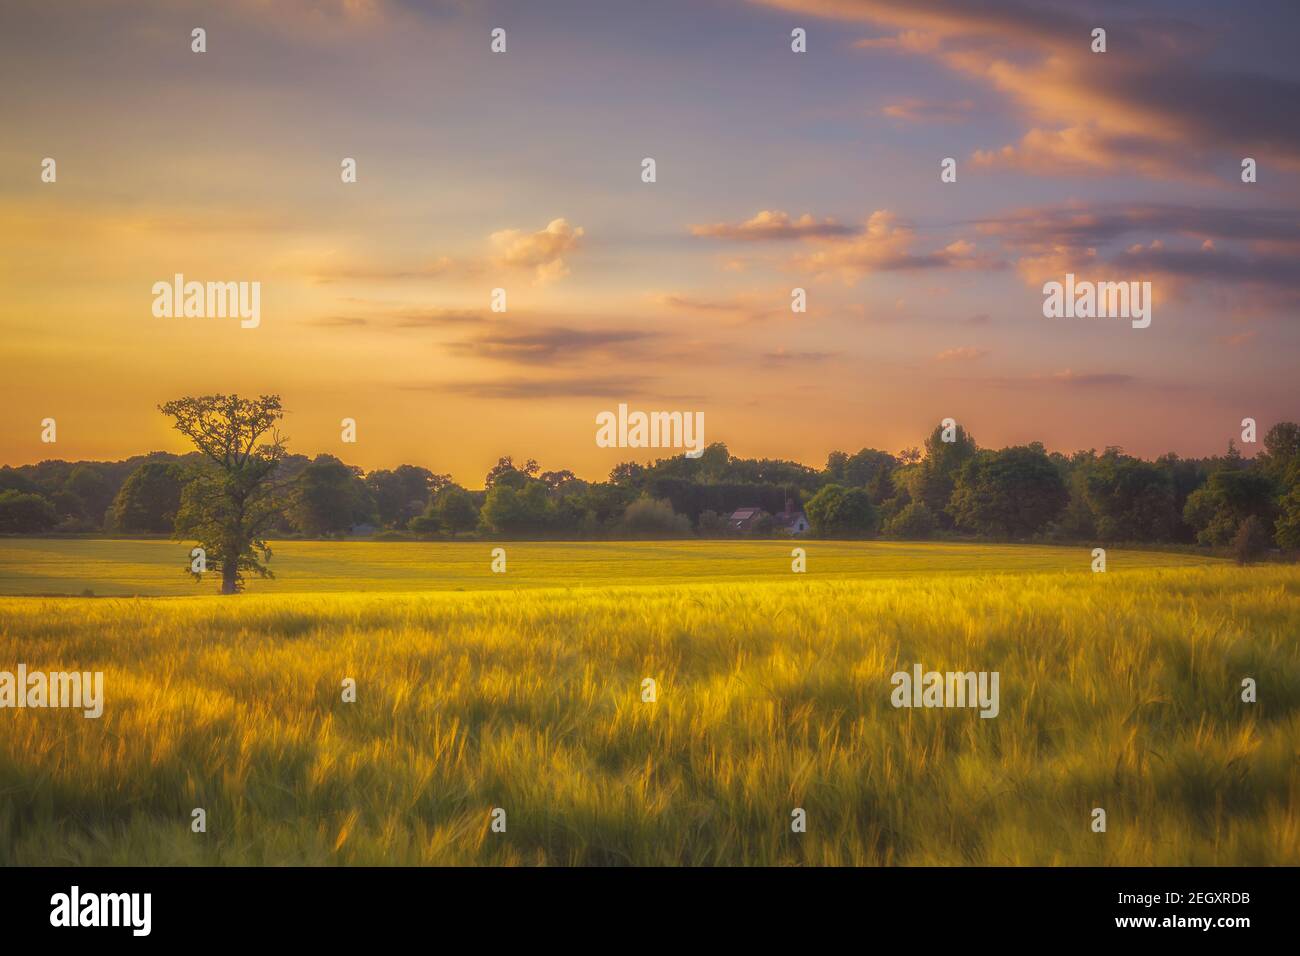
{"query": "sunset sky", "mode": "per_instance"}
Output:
(523, 171)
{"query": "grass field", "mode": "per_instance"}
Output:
(45, 566)
(1118, 690)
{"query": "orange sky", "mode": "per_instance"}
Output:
(522, 171)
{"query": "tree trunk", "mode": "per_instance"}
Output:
(228, 571)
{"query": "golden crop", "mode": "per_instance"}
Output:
(1119, 690)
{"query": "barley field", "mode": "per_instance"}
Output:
(153, 567)
(523, 692)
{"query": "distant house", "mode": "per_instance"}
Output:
(791, 521)
(744, 519)
(747, 520)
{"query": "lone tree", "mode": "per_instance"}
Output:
(229, 508)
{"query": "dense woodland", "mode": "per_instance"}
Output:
(946, 489)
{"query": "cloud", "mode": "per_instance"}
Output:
(1250, 247)
(542, 251)
(754, 307)
(929, 111)
(1078, 224)
(1158, 102)
(620, 386)
(1086, 380)
(1237, 340)
(1077, 150)
(339, 321)
(773, 224)
(885, 245)
(1210, 265)
(405, 318)
(909, 41)
(963, 353)
(691, 303)
(433, 268)
(1064, 378)
(435, 318)
(316, 11)
(782, 356)
(550, 346)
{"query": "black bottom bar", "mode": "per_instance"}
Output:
(332, 906)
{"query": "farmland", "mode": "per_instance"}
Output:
(152, 567)
(523, 692)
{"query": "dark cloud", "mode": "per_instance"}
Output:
(1256, 247)
(1164, 99)
(394, 319)
(1078, 225)
(552, 345)
(1066, 378)
(1212, 265)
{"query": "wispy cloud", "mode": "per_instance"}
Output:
(1237, 340)
(914, 110)
(543, 252)
(1087, 379)
(551, 346)
(1084, 224)
(619, 386)
(773, 224)
(886, 245)
(784, 357)
(748, 307)
(389, 272)
(392, 319)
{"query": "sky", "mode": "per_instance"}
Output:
(775, 170)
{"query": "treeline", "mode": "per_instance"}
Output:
(951, 488)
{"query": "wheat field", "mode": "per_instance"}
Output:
(1119, 690)
(156, 567)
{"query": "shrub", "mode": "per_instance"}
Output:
(711, 523)
(23, 513)
(915, 521)
(654, 518)
(426, 524)
(1251, 542)
(835, 510)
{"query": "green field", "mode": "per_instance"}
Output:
(1118, 690)
(45, 566)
